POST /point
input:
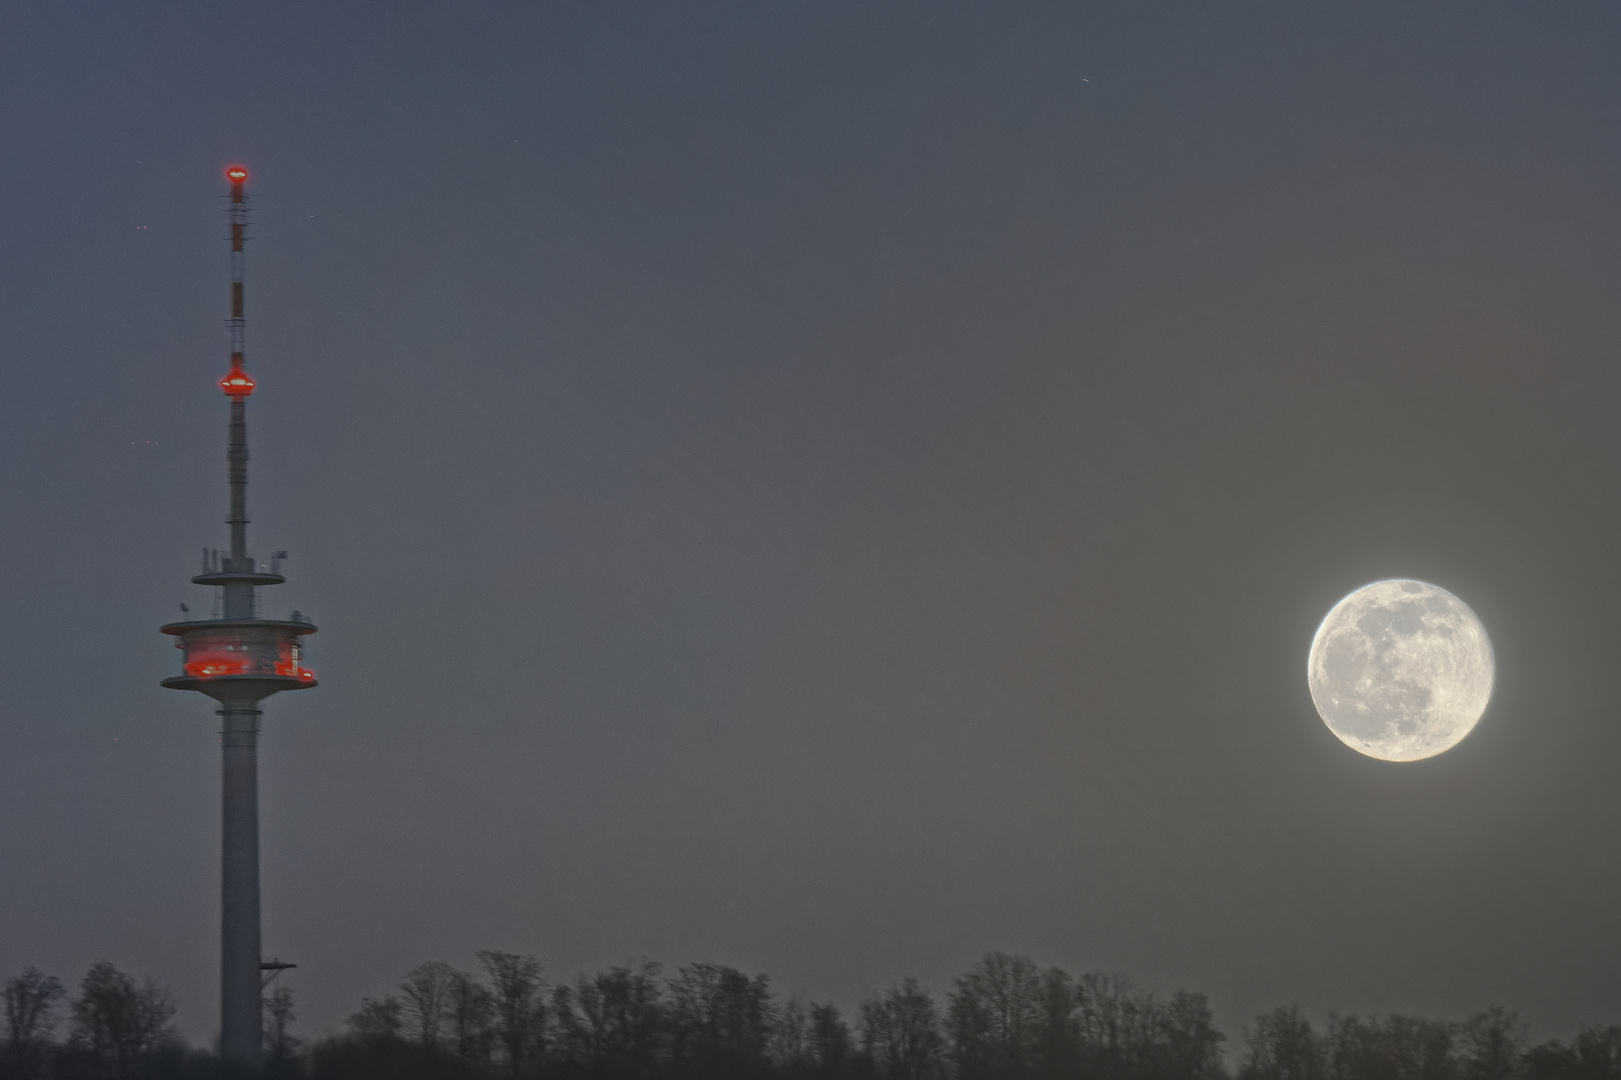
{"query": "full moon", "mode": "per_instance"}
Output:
(1401, 670)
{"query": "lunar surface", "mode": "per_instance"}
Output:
(1401, 670)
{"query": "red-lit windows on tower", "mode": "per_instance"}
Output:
(263, 650)
(288, 663)
(209, 663)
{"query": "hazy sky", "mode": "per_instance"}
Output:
(831, 488)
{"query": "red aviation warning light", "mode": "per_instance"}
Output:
(237, 385)
(236, 174)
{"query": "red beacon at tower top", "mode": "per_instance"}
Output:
(236, 174)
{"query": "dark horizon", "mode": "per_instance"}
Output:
(830, 491)
(1005, 1018)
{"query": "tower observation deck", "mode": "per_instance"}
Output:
(239, 659)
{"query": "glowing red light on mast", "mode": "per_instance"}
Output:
(237, 385)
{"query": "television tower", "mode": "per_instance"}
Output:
(239, 659)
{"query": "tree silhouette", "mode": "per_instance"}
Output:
(469, 1016)
(720, 1020)
(611, 1023)
(1397, 1048)
(119, 1022)
(1493, 1042)
(829, 1039)
(517, 1003)
(31, 1000)
(280, 1044)
(994, 1013)
(1283, 1047)
(423, 997)
(900, 1033)
(380, 1020)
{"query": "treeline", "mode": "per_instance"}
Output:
(1006, 1018)
(1491, 1045)
(115, 1027)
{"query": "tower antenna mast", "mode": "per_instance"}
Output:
(239, 660)
(237, 385)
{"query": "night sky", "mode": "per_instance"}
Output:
(832, 488)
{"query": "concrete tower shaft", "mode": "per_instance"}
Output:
(239, 660)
